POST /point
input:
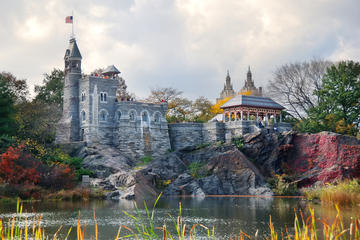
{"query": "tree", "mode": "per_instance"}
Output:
(17, 87)
(18, 167)
(37, 120)
(340, 93)
(201, 109)
(293, 85)
(52, 90)
(7, 109)
(215, 109)
(179, 110)
(163, 95)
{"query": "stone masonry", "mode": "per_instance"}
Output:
(93, 113)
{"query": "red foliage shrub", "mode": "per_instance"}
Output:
(18, 167)
(57, 177)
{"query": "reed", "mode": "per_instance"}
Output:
(305, 228)
(345, 193)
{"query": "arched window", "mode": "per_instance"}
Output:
(83, 116)
(157, 117)
(83, 96)
(118, 116)
(103, 115)
(132, 115)
(144, 117)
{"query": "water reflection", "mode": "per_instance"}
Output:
(228, 215)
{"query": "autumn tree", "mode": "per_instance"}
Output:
(215, 109)
(201, 110)
(18, 167)
(179, 110)
(293, 86)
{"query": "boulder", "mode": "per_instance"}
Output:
(229, 172)
(322, 158)
(262, 149)
(104, 160)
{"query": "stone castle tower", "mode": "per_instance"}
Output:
(249, 86)
(68, 129)
(98, 110)
(228, 90)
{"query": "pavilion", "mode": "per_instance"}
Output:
(243, 107)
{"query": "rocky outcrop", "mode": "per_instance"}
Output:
(263, 149)
(321, 158)
(227, 172)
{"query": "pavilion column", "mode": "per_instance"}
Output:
(257, 116)
(275, 118)
(248, 115)
(241, 115)
(280, 117)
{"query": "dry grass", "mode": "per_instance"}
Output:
(346, 193)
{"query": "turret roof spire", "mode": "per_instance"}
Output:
(74, 51)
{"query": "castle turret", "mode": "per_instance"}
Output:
(228, 90)
(70, 122)
(249, 86)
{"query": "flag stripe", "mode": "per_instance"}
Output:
(69, 19)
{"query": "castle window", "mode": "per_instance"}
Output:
(83, 96)
(118, 115)
(103, 116)
(83, 116)
(132, 116)
(144, 117)
(103, 97)
(157, 117)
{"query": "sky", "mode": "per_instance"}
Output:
(185, 44)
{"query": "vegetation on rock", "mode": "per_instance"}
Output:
(344, 193)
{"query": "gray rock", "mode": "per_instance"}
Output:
(211, 185)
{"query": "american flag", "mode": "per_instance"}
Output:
(69, 19)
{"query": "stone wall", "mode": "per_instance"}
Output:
(146, 133)
(193, 134)
(185, 134)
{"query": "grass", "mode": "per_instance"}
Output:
(198, 170)
(305, 228)
(345, 193)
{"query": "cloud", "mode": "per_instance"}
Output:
(186, 44)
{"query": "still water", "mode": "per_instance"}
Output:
(229, 215)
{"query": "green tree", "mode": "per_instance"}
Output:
(37, 121)
(7, 109)
(340, 93)
(51, 92)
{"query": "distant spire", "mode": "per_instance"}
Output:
(228, 73)
(249, 69)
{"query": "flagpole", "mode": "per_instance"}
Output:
(72, 24)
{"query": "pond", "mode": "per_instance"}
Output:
(229, 215)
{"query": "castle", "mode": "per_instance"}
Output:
(93, 112)
(97, 109)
